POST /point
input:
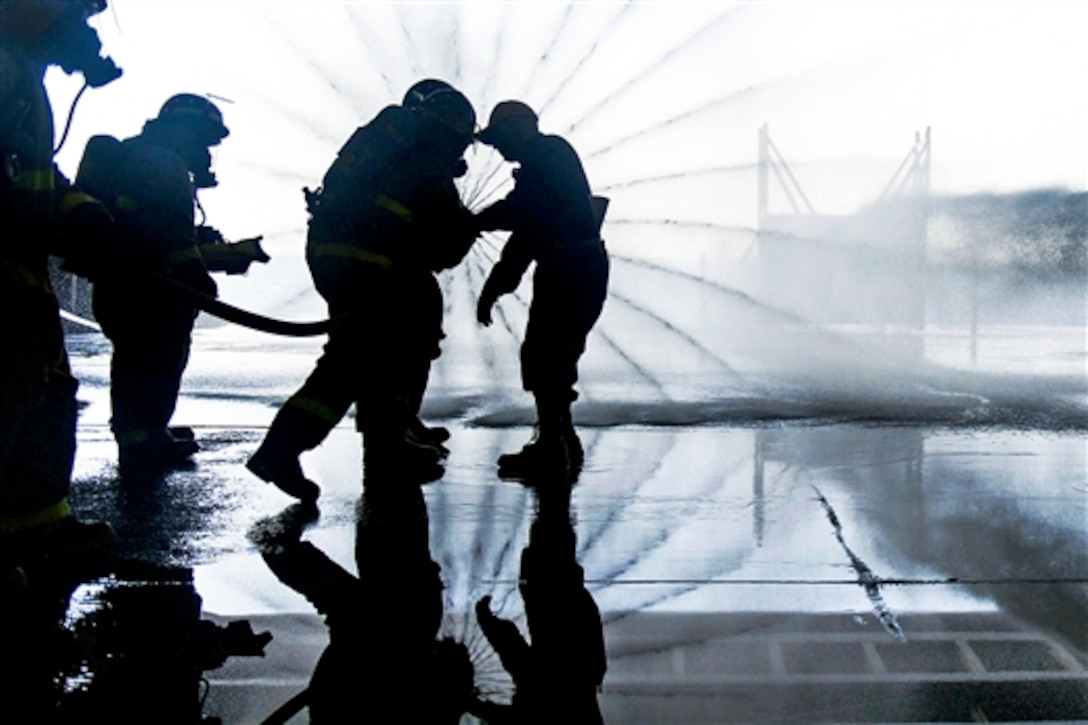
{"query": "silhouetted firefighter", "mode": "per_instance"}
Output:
(387, 217)
(150, 183)
(44, 550)
(554, 221)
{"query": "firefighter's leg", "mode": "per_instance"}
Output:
(563, 310)
(386, 413)
(306, 419)
(429, 310)
(39, 536)
(554, 449)
(145, 378)
(418, 375)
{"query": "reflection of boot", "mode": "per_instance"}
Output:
(181, 432)
(388, 456)
(435, 435)
(155, 455)
(278, 464)
(66, 550)
(274, 533)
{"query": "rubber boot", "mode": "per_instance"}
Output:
(547, 454)
(156, 455)
(276, 462)
(575, 453)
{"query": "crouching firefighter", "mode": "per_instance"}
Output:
(42, 545)
(150, 183)
(387, 218)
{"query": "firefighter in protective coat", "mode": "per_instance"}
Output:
(387, 218)
(41, 214)
(45, 551)
(155, 176)
(554, 221)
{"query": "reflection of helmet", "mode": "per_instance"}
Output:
(449, 108)
(198, 111)
(506, 116)
(414, 96)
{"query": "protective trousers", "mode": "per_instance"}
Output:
(145, 379)
(37, 450)
(151, 336)
(568, 296)
(377, 356)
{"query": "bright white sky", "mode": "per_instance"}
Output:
(642, 89)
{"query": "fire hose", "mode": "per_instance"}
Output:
(230, 313)
(245, 318)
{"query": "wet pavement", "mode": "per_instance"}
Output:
(755, 571)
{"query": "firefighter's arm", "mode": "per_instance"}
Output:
(500, 215)
(86, 232)
(455, 240)
(187, 266)
(504, 278)
(219, 255)
(505, 638)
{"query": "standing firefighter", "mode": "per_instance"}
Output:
(551, 214)
(38, 212)
(387, 218)
(44, 550)
(151, 188)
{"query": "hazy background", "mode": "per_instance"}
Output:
(664, 101)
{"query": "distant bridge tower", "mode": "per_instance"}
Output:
(865, 269)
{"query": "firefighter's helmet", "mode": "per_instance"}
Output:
(450, 109)
(189, 108)
(507, 116)
(415, 96)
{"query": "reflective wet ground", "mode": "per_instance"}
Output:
(789, 569)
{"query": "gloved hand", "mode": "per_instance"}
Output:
(505, 638)
(483, 609)
(208, 235)
(483, 309)
(488, 297)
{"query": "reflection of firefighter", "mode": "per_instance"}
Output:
(384, 656)
(146, 648)
(387, 218)
(553, 221)
(38, 213)
(150, 183)
(558, 672)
